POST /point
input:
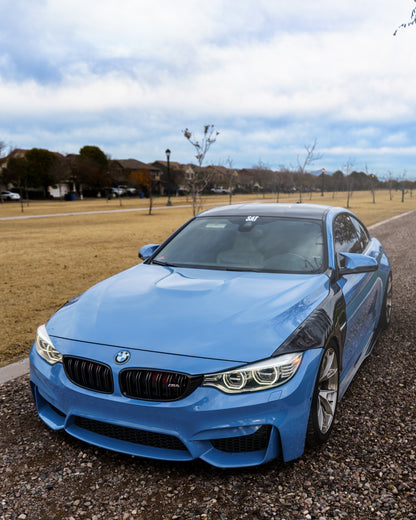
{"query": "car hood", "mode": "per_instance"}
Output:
(222, 315)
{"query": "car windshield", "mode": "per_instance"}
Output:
(247, 243)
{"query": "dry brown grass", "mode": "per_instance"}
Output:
(45, 261)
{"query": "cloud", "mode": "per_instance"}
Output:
(129, 75)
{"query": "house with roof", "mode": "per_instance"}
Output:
(138, 174)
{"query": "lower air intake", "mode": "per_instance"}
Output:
(246, 443)
(122, 433)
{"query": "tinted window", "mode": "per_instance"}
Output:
(362, 234)
(248, 243)
(346, 238)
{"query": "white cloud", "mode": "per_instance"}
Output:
(273, 75)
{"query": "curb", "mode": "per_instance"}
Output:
(377, 224)
(13, 371)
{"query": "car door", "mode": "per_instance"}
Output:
(360, 291)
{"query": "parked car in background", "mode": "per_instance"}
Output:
(112, 193)
(220, 191)
(120, 191)
(127, 190)
(232, 342)
(10, 195)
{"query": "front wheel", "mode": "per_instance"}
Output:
(324, 400)
(385, 317)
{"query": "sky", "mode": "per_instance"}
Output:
(273, 76)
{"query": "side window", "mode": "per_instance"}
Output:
(362, 234)
(346, 239)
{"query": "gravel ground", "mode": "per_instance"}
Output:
(366, 471)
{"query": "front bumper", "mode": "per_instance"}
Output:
(223, 430)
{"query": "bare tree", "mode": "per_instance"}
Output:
(372, 178)
(389, 181)
(412, 21)
(231, 176)
(199, 180)
(349, 179)
(310, 157)
(403, 184)
(209, 138)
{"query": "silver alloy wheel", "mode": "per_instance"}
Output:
(327, 390)
(389, 297)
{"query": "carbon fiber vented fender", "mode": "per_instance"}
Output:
(326, 323)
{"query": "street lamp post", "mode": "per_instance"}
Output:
(323, 180)
(167, 152)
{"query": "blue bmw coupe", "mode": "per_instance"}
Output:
(231, 342)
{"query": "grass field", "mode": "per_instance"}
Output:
(45, 261)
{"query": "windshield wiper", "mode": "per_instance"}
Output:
(165, 264)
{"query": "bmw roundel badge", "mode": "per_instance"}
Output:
(122, 357)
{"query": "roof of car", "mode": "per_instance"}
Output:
(312, 211)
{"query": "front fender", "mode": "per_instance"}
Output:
(325, 324)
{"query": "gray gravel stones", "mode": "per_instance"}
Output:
(367, 470)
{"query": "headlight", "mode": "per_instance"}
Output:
(259, 376)
(45, 348)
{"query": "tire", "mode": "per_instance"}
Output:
(325, 399)
(385, 316)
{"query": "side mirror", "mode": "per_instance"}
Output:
(354, 263)
(147, 251)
